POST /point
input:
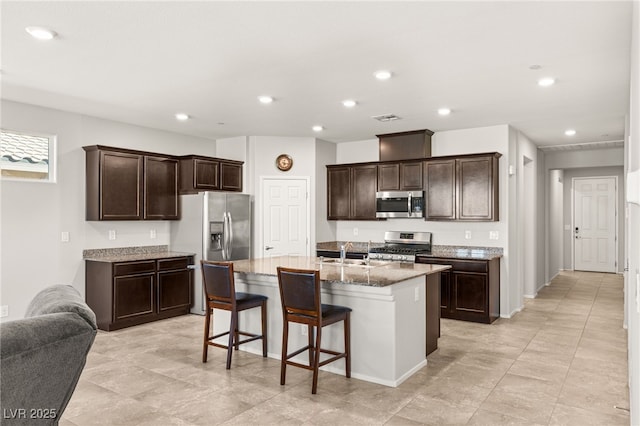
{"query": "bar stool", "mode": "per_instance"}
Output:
(220, 292)
(300, 297)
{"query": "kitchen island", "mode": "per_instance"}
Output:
(395, 320)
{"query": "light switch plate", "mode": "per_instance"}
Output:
(4, 311)
(355, 232)
(64, 236)
(112, 234)
(467, 235)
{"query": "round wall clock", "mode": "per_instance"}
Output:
(284, 162)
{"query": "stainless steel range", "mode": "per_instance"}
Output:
(402, 246)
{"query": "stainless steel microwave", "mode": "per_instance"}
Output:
(400, 204)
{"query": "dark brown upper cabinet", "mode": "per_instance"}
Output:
(463, 188)
(401, 176)
(160, 188)
(199, 173)
(231, 175)
(124, 184)
(405, 145)
(440, 189)
(351, 192)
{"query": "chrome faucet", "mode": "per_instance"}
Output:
(367, 257)
(343, 250)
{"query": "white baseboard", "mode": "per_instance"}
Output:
(515, 311)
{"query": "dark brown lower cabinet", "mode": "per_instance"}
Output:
(123, 294)
(433, 282)
(470, 290)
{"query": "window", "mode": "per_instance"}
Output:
(27, 156)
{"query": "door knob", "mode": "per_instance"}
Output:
(268, 248)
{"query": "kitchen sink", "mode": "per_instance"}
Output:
(358, 263)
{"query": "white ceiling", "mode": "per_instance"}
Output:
(141, 62)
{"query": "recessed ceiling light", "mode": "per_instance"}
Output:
(349, 103)
(265, 99)
(383, 75)
(181, 116)
(444, 111)
(546, 82)
(317, 128)
(569, 132)
(41, 33)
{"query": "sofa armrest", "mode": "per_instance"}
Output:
(42, 358)
(60, 298)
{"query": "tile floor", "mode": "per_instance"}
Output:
(562, 360)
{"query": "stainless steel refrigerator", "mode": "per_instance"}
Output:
(214, 226)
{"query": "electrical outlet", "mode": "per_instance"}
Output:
(153, 234)
(112, 234)
(467, 235)
(416, 294)
(493, 235)
(4, 311)
(355, 232)
(64, 237)
(303, 330)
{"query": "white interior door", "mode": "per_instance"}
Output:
(594, 233)
(285, 219)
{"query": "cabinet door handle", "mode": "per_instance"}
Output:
(268, 248)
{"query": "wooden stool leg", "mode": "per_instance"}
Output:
(316, 359)
(312, 348)
(264, 328)
(232, 334)
(236, 337)
(347, 344)
(205, 347)
(283, 357)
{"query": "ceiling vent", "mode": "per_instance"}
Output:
(386, 117)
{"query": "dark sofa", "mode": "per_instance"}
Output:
(42, 356)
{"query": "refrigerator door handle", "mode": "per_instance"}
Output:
(225, 233)
(230, 229)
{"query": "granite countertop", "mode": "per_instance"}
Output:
(131, 254)
(464, 252)
(378, 274)
(443, 251)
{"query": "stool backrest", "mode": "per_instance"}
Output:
(217, 280)
(299, 291)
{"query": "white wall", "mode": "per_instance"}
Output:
(357, 152)
(555, 240)
(568, 236)
(34, 214)
(263, 151)
(584, 158)
(325, 154)
(633, 277)
(525, 163)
